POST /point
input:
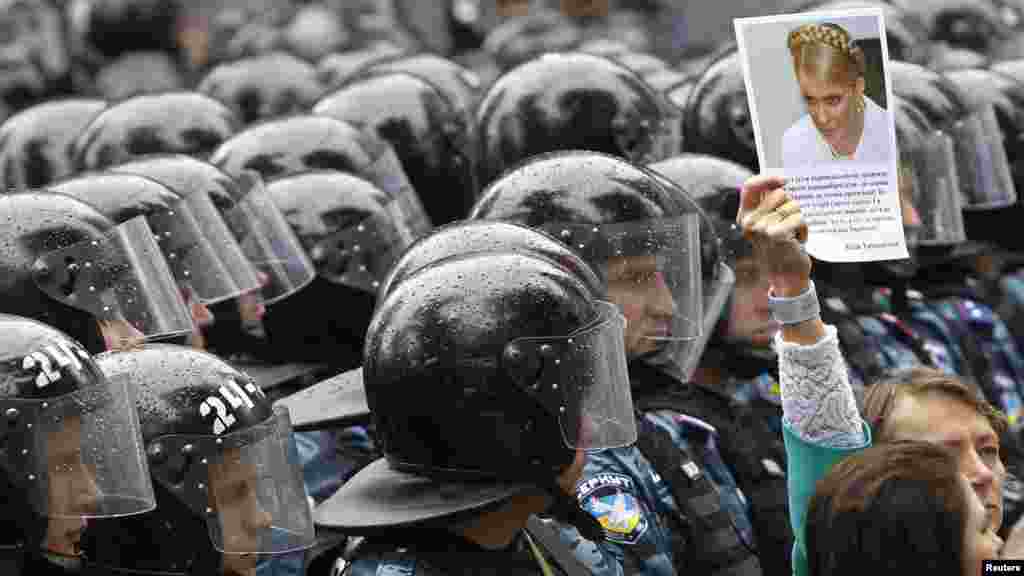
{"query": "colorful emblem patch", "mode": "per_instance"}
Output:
(609, 498)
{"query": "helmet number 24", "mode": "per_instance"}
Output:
(62, 353)
(236, 397)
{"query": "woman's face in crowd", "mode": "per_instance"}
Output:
(750, 319)
(831, 105)
(980, 540)
(957, 426)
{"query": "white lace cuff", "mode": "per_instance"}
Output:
(818, 403)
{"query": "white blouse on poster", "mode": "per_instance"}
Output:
(802, 144)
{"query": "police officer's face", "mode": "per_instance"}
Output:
(943, 420)
(250, 305)
(243, 521)
(911, 217)
(120, 335)
(831, 106)
(750, 319)
(638, 287)
(72, 488)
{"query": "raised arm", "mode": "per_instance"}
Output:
(821, 424)
(817, 400)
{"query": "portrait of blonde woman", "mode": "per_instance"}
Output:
(841, 122)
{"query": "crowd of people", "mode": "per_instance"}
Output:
(286, 290)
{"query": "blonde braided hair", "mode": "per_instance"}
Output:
(831, 36)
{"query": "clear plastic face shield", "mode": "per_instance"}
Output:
(985, 178)
(267, 240)
(930, 192)
(78, 455)
(652, 271)
(201, 251)
(386, 172)
(583, 379)
(362, 255)
(121, 277)
(246, 484)
(681, 357)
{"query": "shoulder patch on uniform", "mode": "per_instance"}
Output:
(610, 499)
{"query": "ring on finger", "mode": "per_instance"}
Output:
(787, 210)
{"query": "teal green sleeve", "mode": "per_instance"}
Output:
(808, 463)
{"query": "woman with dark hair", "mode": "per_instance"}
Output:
(898, 508)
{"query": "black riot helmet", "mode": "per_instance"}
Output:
(571, 101)
(264, 86)
(1006, 95)
(304, 143)
(137, 73)
(461, 85)
(520, 39)
(717, 119)
(34, 52)
(431, 137)
(486, 375)
(640, 233)
(36, 145)
(228, 488)
(334, 70)
(252, 220)
(104, 30)
(66, 264)
(479, 236)
(982, 166)
(906, 36)
(353, 232)
(171, 123)
(71, 447)
(208, 264)
(976, 26)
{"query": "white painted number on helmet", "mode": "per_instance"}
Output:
(236, 396)
(224, 419)
(64, 354)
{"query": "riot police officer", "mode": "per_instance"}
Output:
(72, 449)
(644, 236)
(35, 54)
(255, 225)
(264, 86)
(38, 142)
(717, 120)
(202, 254)
(228, 489)
(171, 123)
(428, 133)
(571, 101)
(67, 265)
(286, 146)
(485, 410)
